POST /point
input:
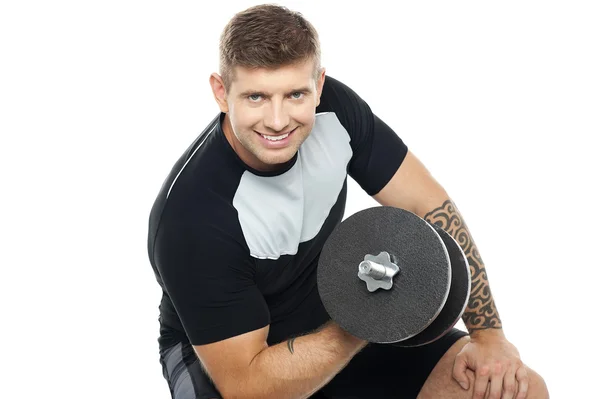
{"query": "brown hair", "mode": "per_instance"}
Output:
(267, 36)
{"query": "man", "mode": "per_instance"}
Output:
(237, 229)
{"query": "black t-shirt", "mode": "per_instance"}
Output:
(235, 249)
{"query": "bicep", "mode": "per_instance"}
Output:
(209, 278)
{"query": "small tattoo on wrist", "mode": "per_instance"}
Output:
(291, 345)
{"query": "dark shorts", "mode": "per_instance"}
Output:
(378, 371)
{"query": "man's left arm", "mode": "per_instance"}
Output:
(489, 354)
(414, 189)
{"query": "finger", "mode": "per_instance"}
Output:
(496, 381)
(509, 388)
(481, 381)
(523, 379)
(459, 371)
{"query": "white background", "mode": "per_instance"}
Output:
(98, 99)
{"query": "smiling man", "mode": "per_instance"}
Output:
(237, 229)
(268, 114)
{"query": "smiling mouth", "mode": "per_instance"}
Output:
(276, 138)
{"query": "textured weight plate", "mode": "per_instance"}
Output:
(419, 290)
(458, 297)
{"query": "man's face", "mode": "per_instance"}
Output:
(271, 112)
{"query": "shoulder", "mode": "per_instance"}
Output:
(199, 189)
(337, 96)
(350, 109)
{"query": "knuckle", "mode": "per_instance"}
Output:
(498, 368)
(483, 371)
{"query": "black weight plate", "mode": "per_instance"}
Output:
(419, 290)
(458, 297)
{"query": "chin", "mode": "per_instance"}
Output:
(278, 159)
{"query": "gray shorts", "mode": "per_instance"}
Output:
(405, 368)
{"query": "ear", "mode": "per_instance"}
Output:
(218, 89)
(320, 83)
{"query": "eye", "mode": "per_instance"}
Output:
(297, 95)
(254, 97)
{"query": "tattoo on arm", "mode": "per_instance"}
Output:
(480, 312)
(290, 344)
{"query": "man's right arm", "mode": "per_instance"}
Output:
(246, 367)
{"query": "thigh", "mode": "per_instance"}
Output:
(184, 374)
(387, 371)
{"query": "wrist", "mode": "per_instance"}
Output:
(487, 333)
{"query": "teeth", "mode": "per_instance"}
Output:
(276, 138)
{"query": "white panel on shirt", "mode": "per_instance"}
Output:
(277, 213)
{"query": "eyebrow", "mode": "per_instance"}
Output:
(261, 93)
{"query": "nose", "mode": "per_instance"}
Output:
(276, 116)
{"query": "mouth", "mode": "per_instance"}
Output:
(276, 141)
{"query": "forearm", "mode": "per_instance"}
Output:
(301, 366)
(480, 313)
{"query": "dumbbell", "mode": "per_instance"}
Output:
(386, 275)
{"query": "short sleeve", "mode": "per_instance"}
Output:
(377, 150)
(208, 275)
